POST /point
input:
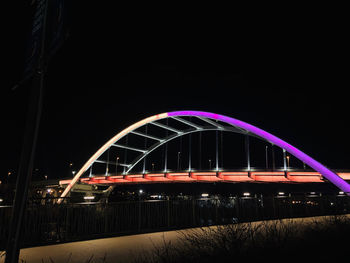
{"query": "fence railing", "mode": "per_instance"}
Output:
(47, 224)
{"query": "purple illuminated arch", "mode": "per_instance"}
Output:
(331, 176)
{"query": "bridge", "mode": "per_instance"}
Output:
(211, 176)
(161, 129)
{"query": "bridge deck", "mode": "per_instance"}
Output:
(243, 176)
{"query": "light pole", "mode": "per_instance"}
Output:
(178, 161)
(209, 164)
(266, 157)
(288, 162)
(152, 166)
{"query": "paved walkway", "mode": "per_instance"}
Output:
(116, 249)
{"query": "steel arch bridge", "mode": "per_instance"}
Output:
(214, 122)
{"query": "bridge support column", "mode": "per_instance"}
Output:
(266, 157)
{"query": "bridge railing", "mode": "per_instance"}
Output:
(48, 224)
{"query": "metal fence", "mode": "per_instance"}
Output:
(47, 224)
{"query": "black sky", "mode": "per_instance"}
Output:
(290, 80)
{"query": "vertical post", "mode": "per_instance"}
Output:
(125, 154)
(107, 164)
(166, 150)
(178, 161)
(266, 157)
(284, 160)
(217, 150)
(116, 165)
(179, 155)
(222, 149)
(90, 174)
(273, 157)
(194, 211)
(247, 151)
(28, 150)
(139, 219)
(189, 152)
(165, 157)
(168, 210)
(274, 207)
(200, 151)
(144, 159)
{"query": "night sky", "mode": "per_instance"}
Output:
(113, 71)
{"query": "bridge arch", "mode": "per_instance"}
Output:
(235, 125)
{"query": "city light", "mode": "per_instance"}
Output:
(280, 193)
(91, 197)
(205, 195)
(246, 194)
(140, 191)
(1, 200)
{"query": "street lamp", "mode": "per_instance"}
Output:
(178, 161)
(152, 166)
(209, 164)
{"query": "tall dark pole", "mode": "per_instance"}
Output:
(27, 154)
